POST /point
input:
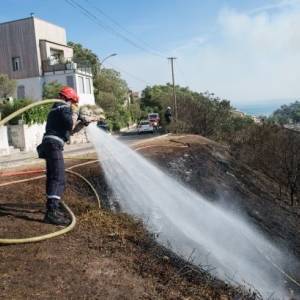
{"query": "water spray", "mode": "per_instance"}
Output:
(188, 223)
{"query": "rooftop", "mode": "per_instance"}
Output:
(30, 18)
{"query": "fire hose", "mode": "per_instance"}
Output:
(73, 218)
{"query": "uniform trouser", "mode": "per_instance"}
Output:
(55, 183)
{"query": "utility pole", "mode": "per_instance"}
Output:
(174, 92)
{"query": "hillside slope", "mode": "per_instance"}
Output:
(110, 255)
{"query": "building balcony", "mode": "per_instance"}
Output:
(52, 65)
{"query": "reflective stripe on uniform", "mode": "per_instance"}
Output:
(53, 197)
(54, 137)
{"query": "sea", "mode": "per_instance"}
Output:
(261, 107)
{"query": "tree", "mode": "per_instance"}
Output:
(84, 55)
(110, 90)
(274, 151)
(197, 112)
(287, 113)
(7, 86)
(51, 90)
(112, 95)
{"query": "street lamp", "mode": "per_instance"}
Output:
(104, 59)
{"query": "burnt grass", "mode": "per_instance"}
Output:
(110, 255)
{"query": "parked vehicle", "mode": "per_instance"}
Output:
(104, 126)
(154, 119)
(144, 127)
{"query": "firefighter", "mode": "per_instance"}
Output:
(62, 121)
(168, 115)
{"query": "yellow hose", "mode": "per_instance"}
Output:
(59, 232)
(90, 185)
(45, 236)
(73, 218)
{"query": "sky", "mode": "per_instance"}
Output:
(244, 51)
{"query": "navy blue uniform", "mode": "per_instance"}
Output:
(58, 129)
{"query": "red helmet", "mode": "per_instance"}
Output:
(69, 94)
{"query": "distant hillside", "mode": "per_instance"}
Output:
(287, 113)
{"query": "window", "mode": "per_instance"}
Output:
(16, 62)
(81, 84)
(88, 85)
(56, 56)
(70, 81)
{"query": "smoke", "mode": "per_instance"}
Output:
(186, 221)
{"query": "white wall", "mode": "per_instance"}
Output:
(4, 147)
(61, 77)
(85, 98)
(26, 137)
(33, 87)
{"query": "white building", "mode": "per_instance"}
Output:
(35, 52)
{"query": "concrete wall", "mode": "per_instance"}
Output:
(33, 87)
(26, 137)
(50, 32)
(17, 39)
(4, 147)
(46, 46)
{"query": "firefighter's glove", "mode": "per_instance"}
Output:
(75, 109)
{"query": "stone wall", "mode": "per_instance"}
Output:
(79, 137)
(26, 137)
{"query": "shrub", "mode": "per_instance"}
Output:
(36, 114)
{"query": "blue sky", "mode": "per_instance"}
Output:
(241, 50)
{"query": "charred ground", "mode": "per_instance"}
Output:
(110, 255)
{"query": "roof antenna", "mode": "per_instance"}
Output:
(32, 14)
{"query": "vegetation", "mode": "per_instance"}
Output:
(266, 147)
(36, 114)
(51, 90)
(287, 114)
(274, 151)
(197, 113)
(111, 94)
(111, 91)
(84, 55)
(7, 86)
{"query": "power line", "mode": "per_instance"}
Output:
(106, 27)
(182, 74)
(130, 74)
(116, 23)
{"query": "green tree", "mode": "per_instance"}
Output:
(51, 90)
(7, 86)
(197, 112)
(83, 55)
(112, 95)
(287, 113)
(110, 90)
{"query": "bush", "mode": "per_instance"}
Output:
(51, 90)
(36, 114)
